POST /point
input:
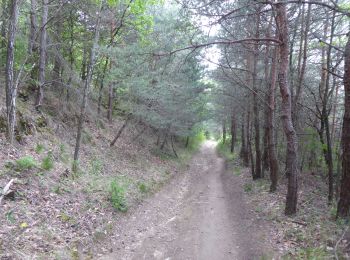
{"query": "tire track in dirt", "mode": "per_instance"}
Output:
(200, 214)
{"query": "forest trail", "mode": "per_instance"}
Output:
(200, 214)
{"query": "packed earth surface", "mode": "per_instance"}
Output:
(201, 214)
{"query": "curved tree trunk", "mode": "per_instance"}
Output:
(286, 112)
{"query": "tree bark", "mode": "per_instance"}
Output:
(286, 111)
(270, 128)
(224, 131)
(343, 209)
(120, 131)
(32, 45)
(87, 86)
(258, 173)
(42, 58)
(110, 102)
(233, 132)
(11, 86)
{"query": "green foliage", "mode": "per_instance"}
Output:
(196, 141)
(143, 187)
(248, 187)
(224, 150)
(25, 163)
(96, 166)
(63, 155)
(311, 253)
(39, 148)
(47, 162)
(117, 196)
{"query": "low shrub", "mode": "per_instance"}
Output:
(25, 163)
(117, 196)
(47, 162)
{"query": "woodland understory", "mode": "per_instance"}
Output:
(102, 102)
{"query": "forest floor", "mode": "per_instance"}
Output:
(55, 213)
(200, 214)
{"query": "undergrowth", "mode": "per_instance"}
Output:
(117, 196)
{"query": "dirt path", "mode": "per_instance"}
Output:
(201, 215)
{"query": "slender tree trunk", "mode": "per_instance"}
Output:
(343, 210)
(42, 58)
(233, 132)
(173, 146)
(286, 111)
(100, 93)
(258, 172)
(32, 45)
(87, 87)
(250, 150)
(187, 141)
(11, 86)
(57, 69)
(224, 131)
(110, 102)
(302, 64)
(270, 116)
(120, 131)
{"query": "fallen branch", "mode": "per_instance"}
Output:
(336, 245)
(299, 222)
(6, 190)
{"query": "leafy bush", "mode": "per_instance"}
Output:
(25, 163)
(117, 197)
(47, 163)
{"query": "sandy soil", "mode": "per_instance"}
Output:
(200, 214)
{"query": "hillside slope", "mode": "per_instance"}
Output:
(57, 214)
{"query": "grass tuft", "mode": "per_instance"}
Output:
(25, 163)
(117, 197)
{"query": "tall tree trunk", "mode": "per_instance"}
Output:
(233, 132)
(120, 131)
(301, 64)
(110, 102)
(42, 58)
(11, 86)
(57, 69)
(250, 150)
(270, 116)
(87, 86)
(258, 173)
(4, 21)
(32, 45)
(102, 78)
(244, 152)
(224, 131)
(343, 210)
(286, 112)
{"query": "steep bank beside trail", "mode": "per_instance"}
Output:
(58, 214)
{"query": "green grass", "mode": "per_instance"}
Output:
(47, 162)
(39, 148)
(25, 163)
(248, 187)
(117, 196)
(224, 150)
(143, 188)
